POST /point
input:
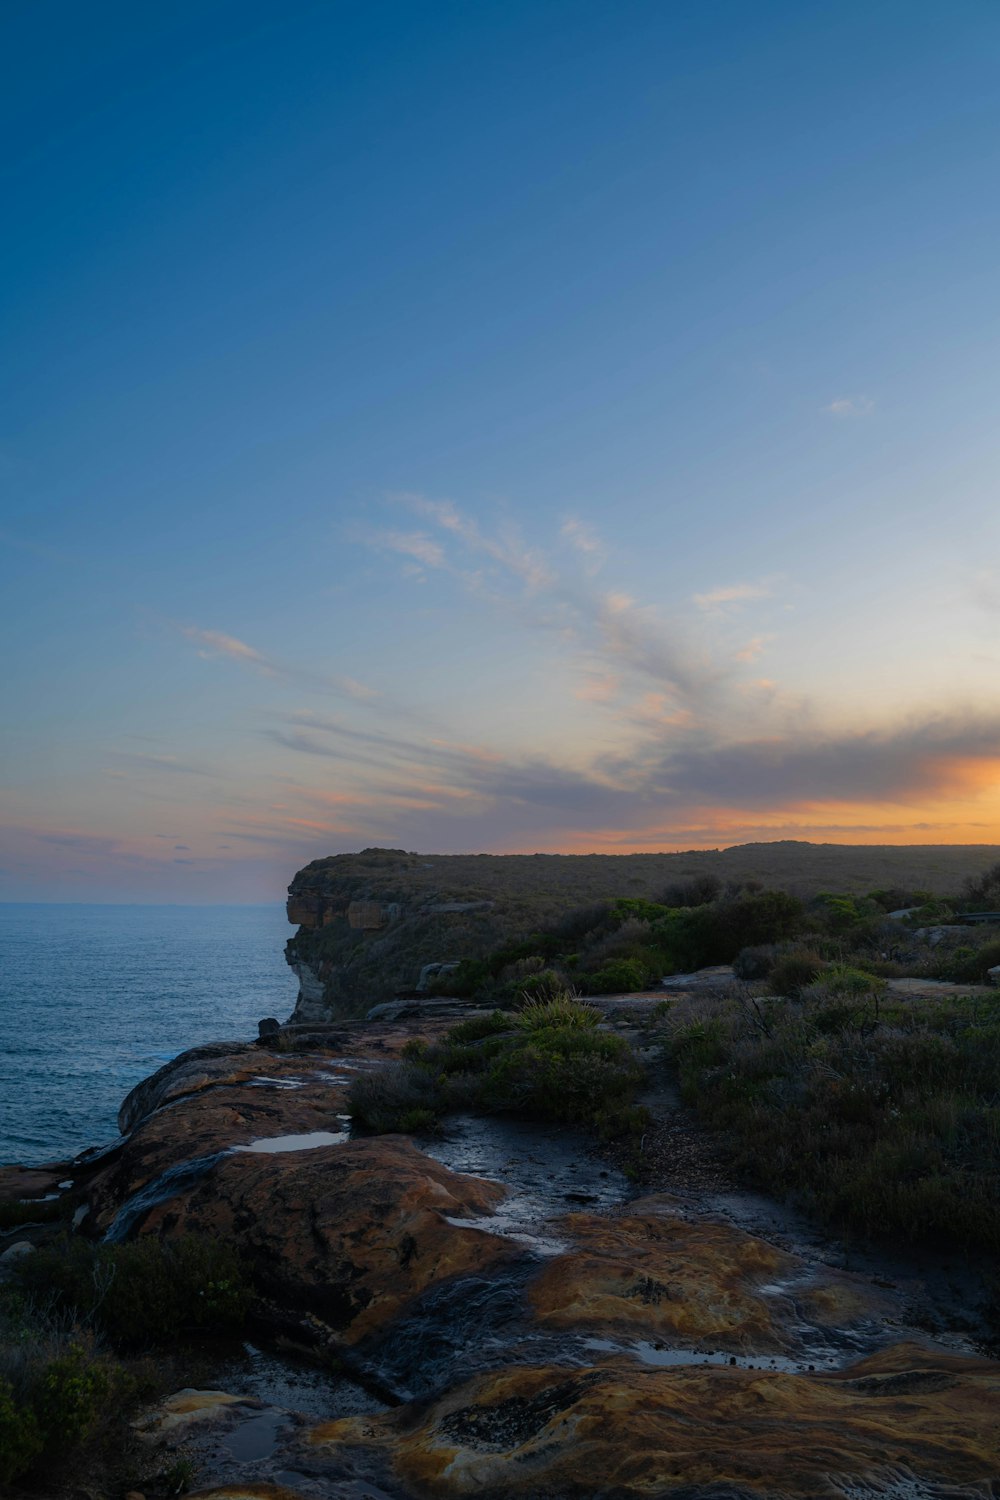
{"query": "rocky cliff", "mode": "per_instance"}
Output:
(493, 1313)
(370, 923)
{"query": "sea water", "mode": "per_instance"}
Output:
(95, 998)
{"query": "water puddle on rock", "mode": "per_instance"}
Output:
(662, 1357)
(255, 1438)
(545, 1169)
(272, 1144)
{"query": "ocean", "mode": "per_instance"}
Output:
(95, 998)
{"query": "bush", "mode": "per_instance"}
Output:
(20, 1436)
(553, 1063)
(492, 1023)
(563, 1010)
(623, 976)
(877, 1115)
(71, 1397)
(795, 972)
(146, 1292)
(968, 965)
(756, 962)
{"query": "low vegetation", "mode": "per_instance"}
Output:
(879, 1116)
(472, 907)
(549, 1061)
(75, 1326)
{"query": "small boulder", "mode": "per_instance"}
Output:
(16, 1252)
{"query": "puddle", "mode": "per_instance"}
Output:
(272, 1144)
(255, 1438)
(294, 1385)
(261, 1082)
(547, 1173)
(662, 1357)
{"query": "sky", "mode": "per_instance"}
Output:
(493, 426)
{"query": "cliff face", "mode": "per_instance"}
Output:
(370, 923)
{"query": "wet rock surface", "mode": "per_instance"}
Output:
(497, 1311)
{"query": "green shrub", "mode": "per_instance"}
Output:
(71, 1397)
(623, 976)
(36, 1211)
(967, 965)
(795, 972)
(563, 1010)
(553, 1063)
(145, 1292)
(878, 1115)
(20, 1437)
(491, 1023)
(545, 985)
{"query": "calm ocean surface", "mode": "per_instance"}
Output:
(94, 998)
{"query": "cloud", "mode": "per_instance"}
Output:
(415, 544)
(851, 406)
(753, 649)
(733, 594)
(506, 548)
(216, 644)
(140, 761)
(584, 539)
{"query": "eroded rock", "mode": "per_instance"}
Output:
(623, 1431)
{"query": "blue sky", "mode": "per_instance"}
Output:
(493, 426)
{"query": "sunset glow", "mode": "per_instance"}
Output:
(530, 427)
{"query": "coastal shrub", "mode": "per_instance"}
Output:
(63, 1399)
(20, 1437)
(544, 985)
(621, 977)
(968, 965)
(34, 1211)
(72, 1394)
(394, 1096)
(145, 1292)
(878, 1115)
(700, 890)
(562, 1010)
(554, 1063)
(794, 972)
(756, 962)
(490, 1023)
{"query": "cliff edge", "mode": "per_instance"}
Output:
(383, 922)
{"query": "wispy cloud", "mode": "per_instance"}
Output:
(753, 648)
(415, 544)
(728, 596)
(140, 761)
(851, 406)
(217, 644)
(584, 540)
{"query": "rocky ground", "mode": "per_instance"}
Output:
(507, 1313)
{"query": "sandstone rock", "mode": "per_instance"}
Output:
(183, 1410)
(349, 1233)
(654, 1276)
(623, 1430)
